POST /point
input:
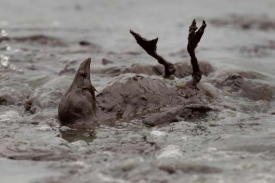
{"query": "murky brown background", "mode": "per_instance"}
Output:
(43, 42)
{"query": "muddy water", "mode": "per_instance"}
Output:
(43, 43)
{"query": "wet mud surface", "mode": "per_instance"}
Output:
(222, 132)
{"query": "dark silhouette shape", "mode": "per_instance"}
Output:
(193, 40)
(79, 103)
(150, 46)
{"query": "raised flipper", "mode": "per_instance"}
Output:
(150, 46)
(193, 40)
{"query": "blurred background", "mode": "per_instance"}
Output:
(107, 23)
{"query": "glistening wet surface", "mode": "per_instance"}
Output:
(42, 44)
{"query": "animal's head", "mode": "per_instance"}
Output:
(82, 77)
(78, 104)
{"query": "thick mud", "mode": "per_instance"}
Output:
(223, 132)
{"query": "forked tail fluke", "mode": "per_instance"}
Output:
(193, 40)
(150, 46)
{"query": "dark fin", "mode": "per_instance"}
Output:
(193, 40)
(195, 36)
(192, 30)
(150, 46)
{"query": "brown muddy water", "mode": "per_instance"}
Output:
(42, 44)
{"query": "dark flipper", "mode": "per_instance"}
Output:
(150, 46)
(193, 40)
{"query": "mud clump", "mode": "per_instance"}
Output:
(244, 87)
(36, 39)
(176, 114)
